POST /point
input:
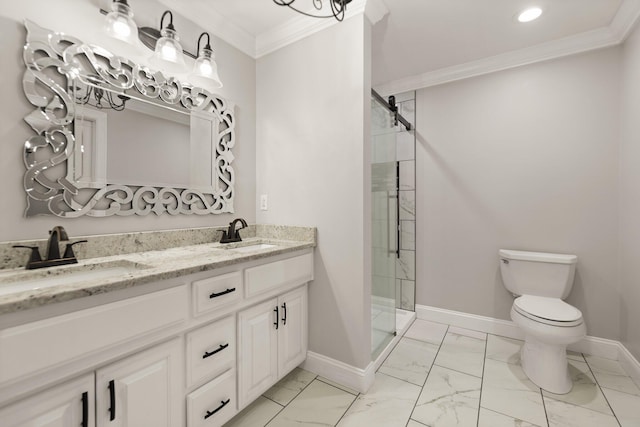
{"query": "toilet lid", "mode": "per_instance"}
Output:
(552, 311)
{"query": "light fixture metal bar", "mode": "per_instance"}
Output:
(149, 36)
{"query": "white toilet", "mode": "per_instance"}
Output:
(541, 281)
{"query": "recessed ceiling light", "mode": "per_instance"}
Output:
(530, 14)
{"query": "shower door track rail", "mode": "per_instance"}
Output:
(392, 107)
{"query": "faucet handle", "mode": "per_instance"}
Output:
(68, 250)
(35, 253)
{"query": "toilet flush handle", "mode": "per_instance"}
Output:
(504, 261)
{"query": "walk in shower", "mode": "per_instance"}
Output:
(393, 216)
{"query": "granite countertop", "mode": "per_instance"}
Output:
(99, 275)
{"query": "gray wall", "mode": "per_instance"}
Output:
(82, 19)
(521, 159)
(313, 99)
(630, 196)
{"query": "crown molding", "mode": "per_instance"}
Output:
(296, 28)
(612, 35)
(625, 19)
(375, 10)
(216, 24)
(300, 27)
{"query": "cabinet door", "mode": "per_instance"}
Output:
(142, 390)
(69, 404)
(292, 334)
(258, 350)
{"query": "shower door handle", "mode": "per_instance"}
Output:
(398, 236)
(396, 226)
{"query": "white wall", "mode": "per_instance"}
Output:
(81, 18)
(522, 159)
(630, 195)
(312, 100)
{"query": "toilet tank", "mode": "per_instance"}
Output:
(537, 273)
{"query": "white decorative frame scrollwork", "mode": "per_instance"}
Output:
(51, 57)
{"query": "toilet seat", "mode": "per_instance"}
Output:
(550, 311)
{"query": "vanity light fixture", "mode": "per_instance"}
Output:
(205, 66)
(119, 23)
(530, 14)
(338, 8)
(168, 51)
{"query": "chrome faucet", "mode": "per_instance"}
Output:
(232, 234)
(56, 235)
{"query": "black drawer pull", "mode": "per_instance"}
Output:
(85, 409)
(112, 397)
(276, 323)
(223, 403)
(284, 308)
(218, 350)
(219, 294)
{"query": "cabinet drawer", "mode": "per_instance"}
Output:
(215, 292)
(292, 271)
(211, 350)
(214, 403)
(35, 346)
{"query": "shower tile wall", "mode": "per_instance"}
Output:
(405, 152)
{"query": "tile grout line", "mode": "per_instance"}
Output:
(294, 398)
(332, 385)
(544, 406)
(484, 361)
(348, 407)
(429, 373)
(455, 370)
(460, 372)
(515, 364)
(275, 415)
(600, 388)
(417, 422)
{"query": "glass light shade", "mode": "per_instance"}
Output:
(119, 23)
(168, 54)
(205, 70)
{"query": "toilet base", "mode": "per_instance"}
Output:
(546, 365)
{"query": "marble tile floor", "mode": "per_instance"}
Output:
(440, 376)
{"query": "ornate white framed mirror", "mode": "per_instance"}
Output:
(113, 137)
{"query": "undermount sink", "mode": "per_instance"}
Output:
(251, 247)
(21, 281)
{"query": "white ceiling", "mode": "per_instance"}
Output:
(253, 16)
(419, 37)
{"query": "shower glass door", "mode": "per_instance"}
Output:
(384, 199)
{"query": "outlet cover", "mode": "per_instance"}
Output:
(264, 202)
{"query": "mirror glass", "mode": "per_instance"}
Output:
(144, 144)
(116, 138)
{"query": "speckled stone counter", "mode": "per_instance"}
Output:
(143, 258)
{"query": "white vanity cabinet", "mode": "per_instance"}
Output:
(272, 341)
(142, 390)
(189, 351)
(68, 404)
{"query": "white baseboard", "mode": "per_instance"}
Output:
(629, 363)
(350, 376)
(358, 379)
(474, 322)
(589, 345)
